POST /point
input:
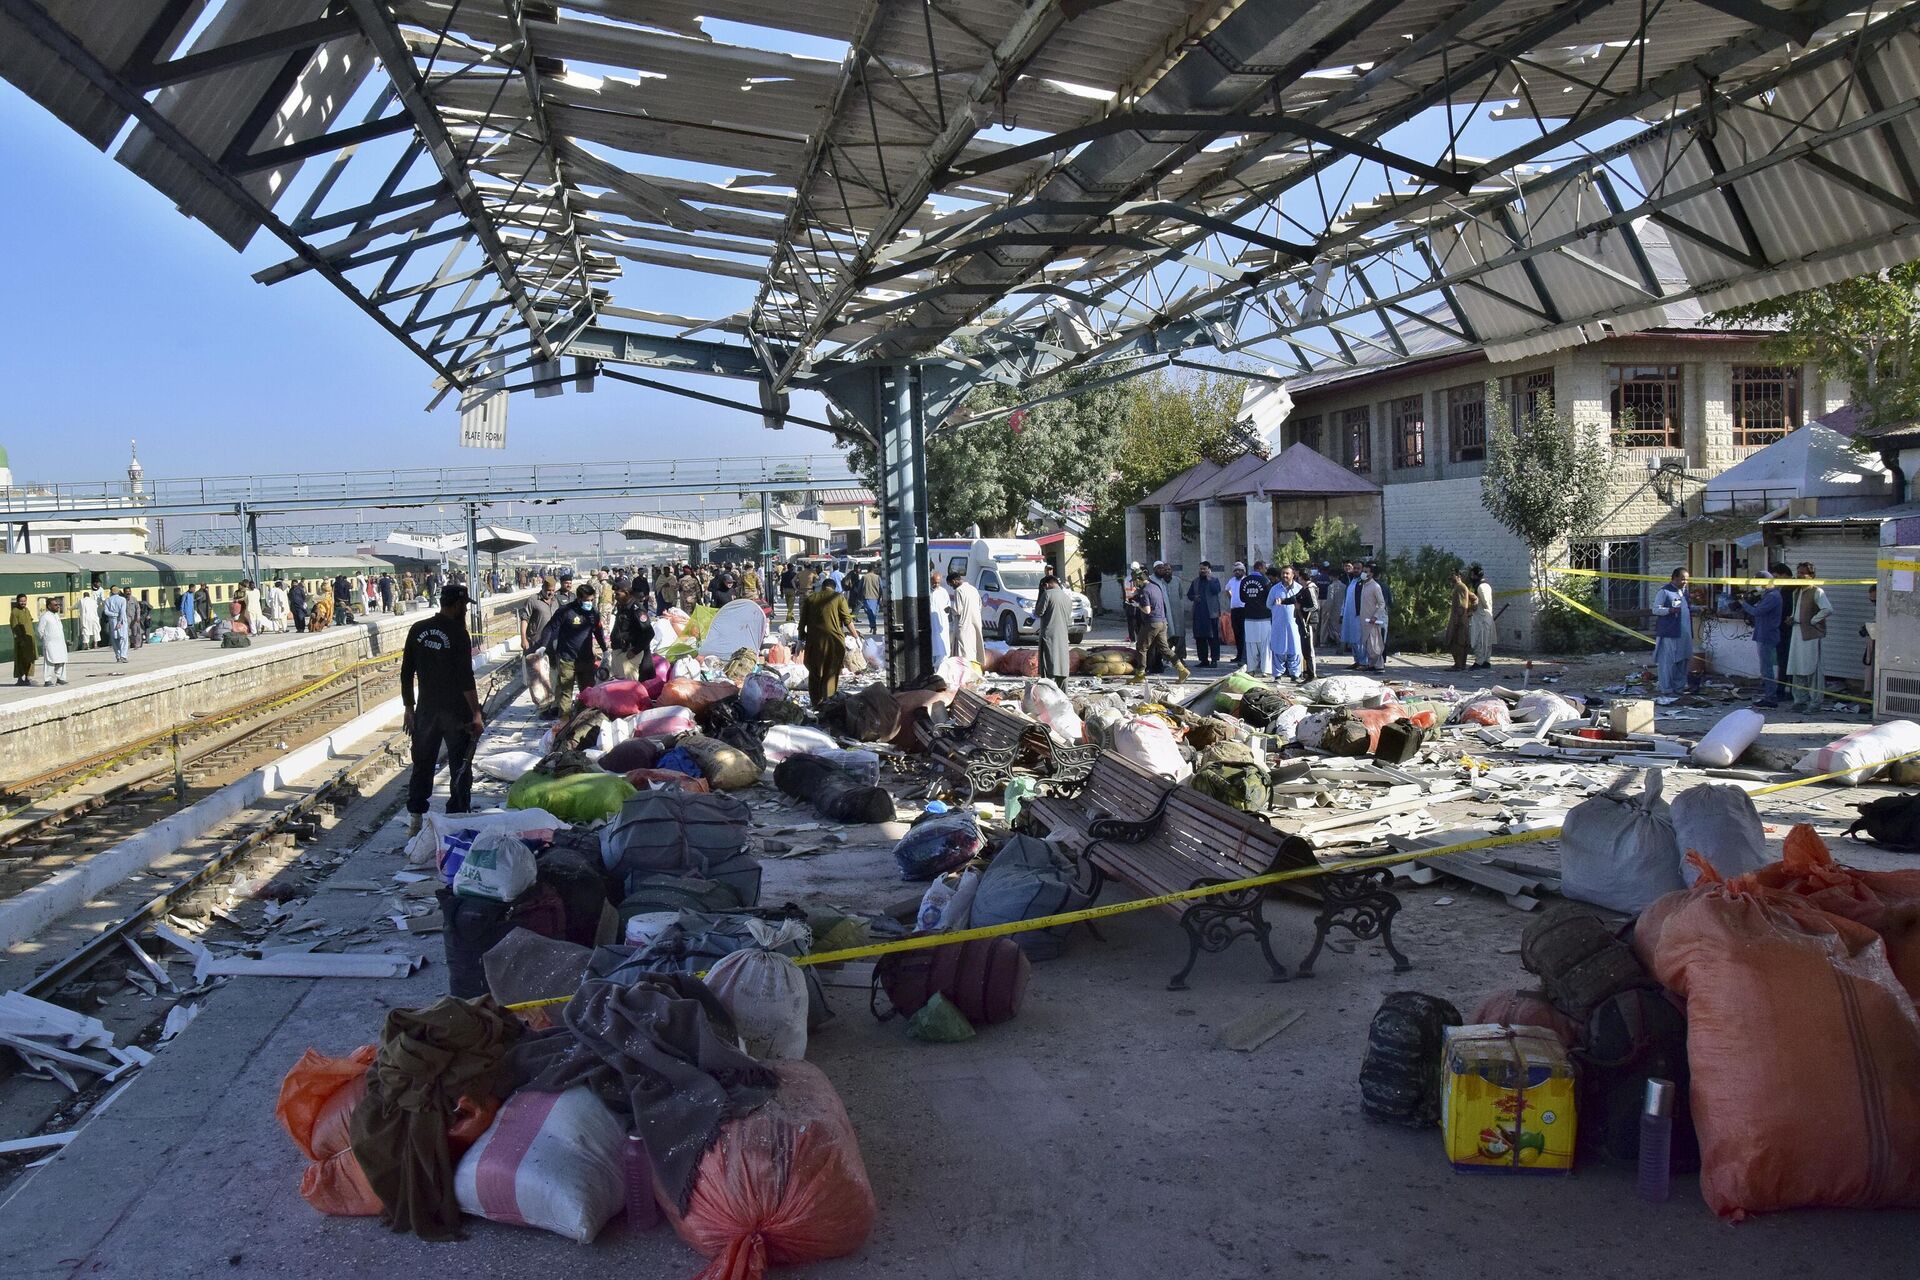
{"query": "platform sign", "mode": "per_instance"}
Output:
(483, 416)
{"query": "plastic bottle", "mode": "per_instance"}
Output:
(636, 1169)
(1656, 1142)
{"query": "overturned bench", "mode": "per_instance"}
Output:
(1155, 837)
(979, 743)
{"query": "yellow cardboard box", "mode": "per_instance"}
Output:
(1507, 1099)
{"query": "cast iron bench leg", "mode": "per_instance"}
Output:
(1361, 903)
(1214, 924)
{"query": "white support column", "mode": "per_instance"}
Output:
(1136, 536)
(1213, 535)
(1259, 528)
(1169, 536)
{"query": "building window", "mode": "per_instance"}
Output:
(1410, 432)
(1467, 422)
(1622, 597)
(1645, 399)
(1356, 439)
(59, 546)
(1534, 392)
(1307, 432)
(1765, 403)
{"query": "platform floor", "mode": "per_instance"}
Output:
(91, 668)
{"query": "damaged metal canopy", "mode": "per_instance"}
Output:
(1000, 187)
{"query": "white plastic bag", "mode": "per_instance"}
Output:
(643, 928)
(956, 673)
(785, 740)
(856, 660)
(933, 903)
(500, 866)
(874, 652)
(614, 731)
(549, 1160)
(1727, 740)
(1718, 822)
(863, 765)
(959, 908)
(767, 995)
(687, 669)
(662, 722)
(426, 848)
(1045, 703)
(1287, 723)
(1864, 752)
(1150, 744)
(506, 766)
(1311, 730)
(1343, 691)
(1619, 851)
(1544, 704)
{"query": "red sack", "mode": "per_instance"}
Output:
(778, 655)
(1887, 902)
(1018, 662)
(316, 1103)
(1528, 1009)
(1377, 718)
(618, 698)
(1803, 1046)
(696, 695)
(782, 1185)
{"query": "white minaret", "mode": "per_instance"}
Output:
(135, 472)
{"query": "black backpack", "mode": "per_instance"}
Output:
(1633, 1036)
(1400, 1077)
(1893, 821)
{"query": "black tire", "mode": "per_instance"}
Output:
(1076, 637)
(1009, 629)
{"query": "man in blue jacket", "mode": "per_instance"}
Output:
(1205, 595)
(1765, 616)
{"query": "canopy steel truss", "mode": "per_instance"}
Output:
(1001, 189)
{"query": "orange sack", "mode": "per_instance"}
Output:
(1804, 1048)
(782, 1185)
(317, 1099)
(1887, 902)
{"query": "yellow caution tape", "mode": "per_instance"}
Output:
(1723, 582)
(1895, 566)
(1599, 617)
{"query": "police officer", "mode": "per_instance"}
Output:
(570, 641)
(439, 656)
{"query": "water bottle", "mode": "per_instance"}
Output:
(636, 1170)
(1656, 1142)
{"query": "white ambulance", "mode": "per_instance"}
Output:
(1007, 573)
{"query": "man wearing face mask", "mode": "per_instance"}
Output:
(1373, 622)
(569, 643)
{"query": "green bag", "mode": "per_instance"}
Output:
(1241, 681)
(1229, 773)
(578, 797)
(1019, 789)
(938, 1022)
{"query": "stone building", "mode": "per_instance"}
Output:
(1681, 402)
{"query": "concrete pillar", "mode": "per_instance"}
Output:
(1259, 528)
(1213, 534)
(1169, 536)
(1136, 536)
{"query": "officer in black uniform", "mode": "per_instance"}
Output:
(439, 655)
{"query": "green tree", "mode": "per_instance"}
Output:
(1546, 478)
(1292, 551)
(1056, 454)
(1864, 331)
(1422, 595)
(1333, 539)
(1173, 420)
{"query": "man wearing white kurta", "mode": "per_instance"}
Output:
(89, 619)
(51, 631)
(968, 640)
(939, 607)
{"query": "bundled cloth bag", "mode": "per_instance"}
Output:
(1861, 754)
(835, 794)
(1027, 879)
(937, 846)
(782, 1185)
(551, 1160)
(1718, 822)
(580, 797)
(1228, 773)
(682, 833)
(1618, 851)
(870, 715)
(726, 767)
(634, 753)
(617, 698)
(1804, 1048)
(664, 722)
(1045, 703)
(1346, 691)
(1729, 738)
(1150, 744)
(760, 690)
(1491, 712)
(767, 995)
(1888, 902)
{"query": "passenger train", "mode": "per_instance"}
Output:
(158, 580)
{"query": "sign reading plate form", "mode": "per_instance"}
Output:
(483, 415)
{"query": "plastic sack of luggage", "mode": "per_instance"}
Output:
(1544, 704)
(1718, 822)
(616, 697)
(687, 668)
(499, 866)
(860, 765)
(856, 659)
(1888, 902)
(767, 995)
(1045, 703)
(1804, 1049)
(506, 766)
(539, 679)
(948, 902)
(782, 1185)
(1150, 744)
(1287, 724)
(954, 671)
(1346, 691)
(1618, 851)
(428, 847)
(1861, 754)
(785, 740)
(760, 690)
(551, 1160)
(1311, 730)
(938, 846)
(579, 797)
(1491, 712)
(1729, 738)
(663, 722)
(875, 652)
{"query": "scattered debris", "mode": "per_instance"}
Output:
(1251, 1030)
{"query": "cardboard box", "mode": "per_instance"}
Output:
(1630, 715)
(1507, 1099)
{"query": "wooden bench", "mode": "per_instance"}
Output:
(979, 743)
(1155, 837)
